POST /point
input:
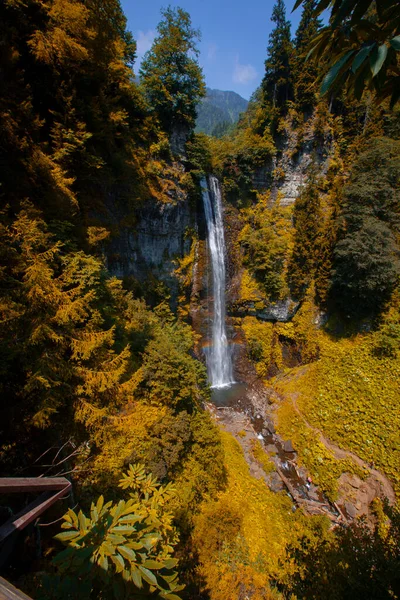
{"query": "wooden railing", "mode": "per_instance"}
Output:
(52, 489)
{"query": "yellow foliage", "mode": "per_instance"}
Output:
(263, 345)
(242, 537)
(249, 288)
(262, 457)
(116, 441)
(267, 240)
(351, 394)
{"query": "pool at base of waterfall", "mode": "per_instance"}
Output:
(229, 395)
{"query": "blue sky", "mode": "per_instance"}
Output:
(234, 36)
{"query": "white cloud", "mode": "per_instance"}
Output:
(211, 51)
(243, 73)
(144, 42)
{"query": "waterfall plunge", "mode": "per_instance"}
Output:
(219, 361)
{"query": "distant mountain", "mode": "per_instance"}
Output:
(218, 111)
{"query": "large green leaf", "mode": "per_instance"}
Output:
(107, 548)
(103, 563)
(136, 577)
(67, 535)
(395, 42)
(148, 575)
(334, 72)
(116, 539)
(344, 11)
(127, 553)
(99, 503)
(118, 562)
(377, 58)
(153, 564)
(360, 57)
(123, 529)
(170, 563)
(83, 523)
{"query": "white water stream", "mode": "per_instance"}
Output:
(219, 360)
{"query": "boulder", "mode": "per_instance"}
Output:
(350, 510)
(288, 446)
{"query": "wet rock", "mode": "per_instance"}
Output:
(288, 446)
(153, 244)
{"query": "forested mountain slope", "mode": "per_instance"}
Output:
(218, 111)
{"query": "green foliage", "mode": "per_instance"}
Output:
(266, 240)
(120, 544)
(350, 394)
(366, 260)
(308, 225)
(171, 76)
(358, 562)
(366, 268)
(304, 73)
(242, 536)
(262, 457)
(235, 158)
(199, 154)
(360, 45)
(76, 111)
(171, 376)
(67, 346)
(388, 336)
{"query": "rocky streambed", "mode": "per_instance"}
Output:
(243, 411)
(246, 411)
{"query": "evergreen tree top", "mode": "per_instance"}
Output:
(282, 30)
(309, 25)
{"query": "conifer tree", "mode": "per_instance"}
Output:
(171, 76)
(305, 73)
(307, 222)
(278, 79)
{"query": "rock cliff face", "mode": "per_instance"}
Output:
(297, 148)
(281, 310)
(152, 245)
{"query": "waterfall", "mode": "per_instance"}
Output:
(219, 361)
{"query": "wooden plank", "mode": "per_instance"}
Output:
(10, 485)
(10, 592)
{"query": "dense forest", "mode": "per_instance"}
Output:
(105, 302)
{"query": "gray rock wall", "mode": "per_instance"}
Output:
(152, 245)
(287, 172)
